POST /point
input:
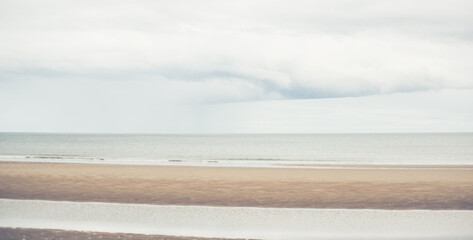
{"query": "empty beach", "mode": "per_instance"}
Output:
(429, 187)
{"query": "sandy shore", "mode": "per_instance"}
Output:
(48, 234)
(407, 188)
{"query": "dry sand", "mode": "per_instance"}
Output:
(410, 188)
(50, 234)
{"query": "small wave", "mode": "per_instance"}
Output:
(48, 158)
(65, 157)
(173, 160)
(45, 157)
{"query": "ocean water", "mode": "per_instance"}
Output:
(252, 149)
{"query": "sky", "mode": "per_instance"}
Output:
(236, 66)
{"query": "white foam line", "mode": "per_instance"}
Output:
(236, 222)
(246, 164)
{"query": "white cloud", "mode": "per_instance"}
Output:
(115, 59)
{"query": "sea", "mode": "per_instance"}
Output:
(241, 149)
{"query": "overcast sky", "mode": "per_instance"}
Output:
(236, 66)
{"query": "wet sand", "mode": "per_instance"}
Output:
(48, 234)
(387, 188)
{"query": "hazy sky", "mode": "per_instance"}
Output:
(236, 66)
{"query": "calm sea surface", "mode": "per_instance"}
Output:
(455, 148)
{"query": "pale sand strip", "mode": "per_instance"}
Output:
(57, 234)
(260, 187)
(237, 222)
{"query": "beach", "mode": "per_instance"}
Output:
(125, 201)
(47, 234)
(430, 187)
(189, 197)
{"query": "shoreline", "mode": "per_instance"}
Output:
(236, 163)
(245, 164)
(431, 188)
